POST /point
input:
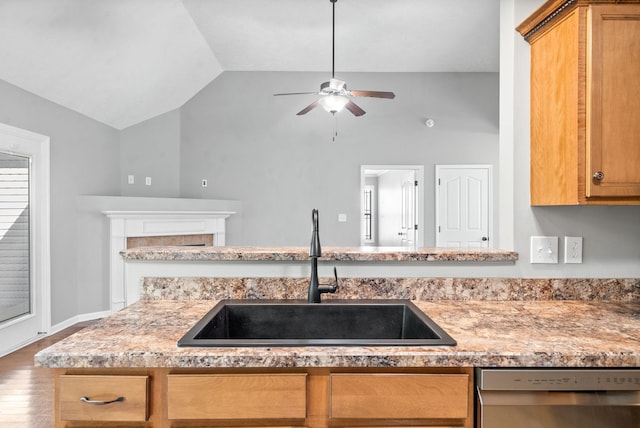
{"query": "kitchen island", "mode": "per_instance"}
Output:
(130, 359)
(489, 333)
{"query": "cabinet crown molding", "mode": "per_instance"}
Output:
(553, 10)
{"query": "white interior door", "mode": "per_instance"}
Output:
(463, 206)
(24, 237)
(408, 227)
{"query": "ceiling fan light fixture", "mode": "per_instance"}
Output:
(333, 103)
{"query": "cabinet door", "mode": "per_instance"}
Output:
(237, 396)
(399, 396)
(103, 398)
(613, 101)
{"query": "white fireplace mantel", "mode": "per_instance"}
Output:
(125, 224)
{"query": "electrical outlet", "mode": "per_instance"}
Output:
(544, 249)
(342, 218)
(131, 179)
(147, 181)
(573, 249)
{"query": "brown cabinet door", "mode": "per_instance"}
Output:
(103, 398)
(399, 396)
(613, 101)
(237, 396)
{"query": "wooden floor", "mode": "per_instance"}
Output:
(26, 392)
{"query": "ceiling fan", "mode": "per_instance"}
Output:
(334, 93)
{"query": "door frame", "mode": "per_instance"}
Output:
(35, 146)
(419, 174)
(490, 220)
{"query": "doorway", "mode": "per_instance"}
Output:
(463, 206)
(24, 237)
(392, 205)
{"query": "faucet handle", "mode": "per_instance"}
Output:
(330, 288)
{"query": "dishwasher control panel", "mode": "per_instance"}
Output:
(558, 379)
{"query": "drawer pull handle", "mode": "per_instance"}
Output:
(100, 403)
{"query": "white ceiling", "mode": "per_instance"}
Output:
(125, 61)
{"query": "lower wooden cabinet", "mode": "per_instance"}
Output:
(103, 398)
(274, 398)
(237, 396)
(399, 396)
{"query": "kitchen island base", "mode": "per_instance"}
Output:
(300, 397)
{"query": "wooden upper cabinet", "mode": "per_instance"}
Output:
(585, 102)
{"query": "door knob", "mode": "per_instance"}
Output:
(484, 238)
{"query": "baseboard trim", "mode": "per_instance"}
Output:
(76, 319)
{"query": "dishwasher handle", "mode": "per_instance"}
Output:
(559, 398)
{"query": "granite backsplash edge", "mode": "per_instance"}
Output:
(421, 289)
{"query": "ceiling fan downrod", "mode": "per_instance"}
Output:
(333, 40)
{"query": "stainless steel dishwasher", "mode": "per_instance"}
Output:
(557, 398)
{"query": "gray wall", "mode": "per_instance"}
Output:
(252, 146)
(611, 246)
(84, 160)
(152, 149)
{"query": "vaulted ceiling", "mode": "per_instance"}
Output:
(124, 61)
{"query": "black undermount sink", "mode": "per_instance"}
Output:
(237, 323)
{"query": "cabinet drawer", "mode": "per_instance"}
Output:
(258, 396)
(399, 396)
(128, 397)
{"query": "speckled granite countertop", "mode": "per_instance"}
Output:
(489, 333)
(393, 254)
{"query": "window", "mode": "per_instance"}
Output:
(367, 208)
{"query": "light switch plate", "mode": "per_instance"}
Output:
(544, 249)
(342, 218)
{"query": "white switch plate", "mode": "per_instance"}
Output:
(342, 218)
(131, 179)
(573, 249)
(147, 181)
(544, 249)
(205, 183)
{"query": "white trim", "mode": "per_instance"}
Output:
(38, 151)
(506, 132)
(134, 223)
(78, 318)
(58, 328)
(29, 341)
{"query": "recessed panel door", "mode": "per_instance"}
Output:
(463, 206)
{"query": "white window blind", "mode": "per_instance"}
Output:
(14, 236)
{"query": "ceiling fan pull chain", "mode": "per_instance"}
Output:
(335, 128)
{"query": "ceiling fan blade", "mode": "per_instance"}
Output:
(353, 108)
(374, 94)
(297, 93)
(308, 108)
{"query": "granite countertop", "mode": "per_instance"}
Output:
(394, 254)
(489, 333)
